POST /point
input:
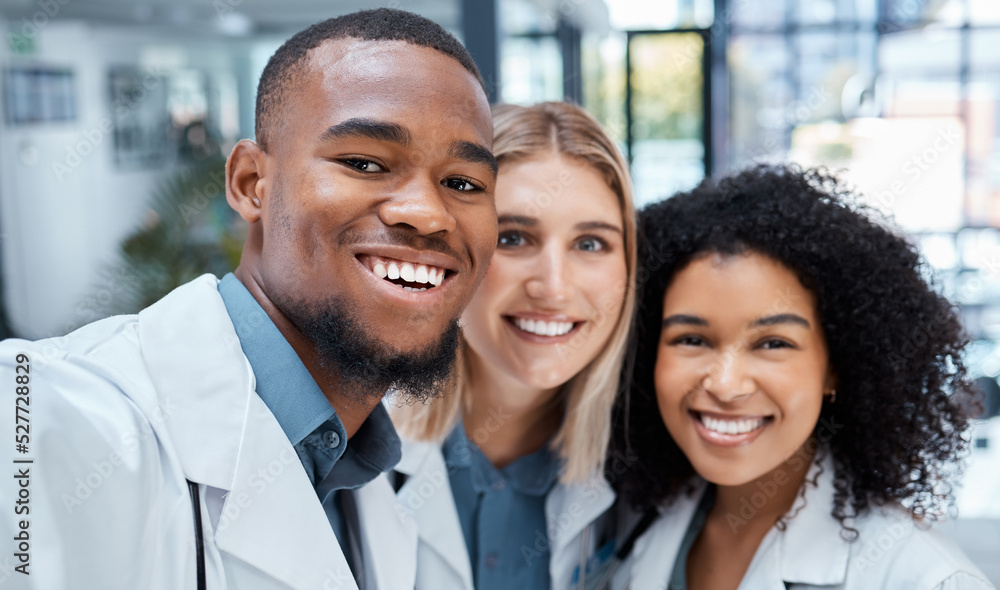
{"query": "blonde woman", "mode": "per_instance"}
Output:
(504, 475)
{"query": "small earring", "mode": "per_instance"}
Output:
(832, 397)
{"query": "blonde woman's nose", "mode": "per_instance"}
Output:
(550, 279)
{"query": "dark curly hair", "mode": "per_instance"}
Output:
(895, 345)
(381, 24)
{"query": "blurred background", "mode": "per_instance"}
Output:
(117, 116)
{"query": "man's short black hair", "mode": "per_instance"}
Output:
(383, 24)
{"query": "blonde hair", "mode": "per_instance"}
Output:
(521, 133)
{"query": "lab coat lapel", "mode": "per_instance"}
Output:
(389, 537)
(427, 498)
(226, 438)
(570, 508)
(655, 551)
(201, 377)
(811, 549)
(272, 518)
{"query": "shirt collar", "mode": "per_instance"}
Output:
(532, 474)
(283, 382)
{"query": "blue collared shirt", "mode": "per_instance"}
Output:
(502, 512)
(306, 416)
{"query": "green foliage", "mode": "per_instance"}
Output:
(191, 230)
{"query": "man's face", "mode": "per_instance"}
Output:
(379, 191)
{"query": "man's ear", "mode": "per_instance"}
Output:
(246, 174)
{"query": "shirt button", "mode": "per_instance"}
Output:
(331, 438)
(492, 559)
(499, 485)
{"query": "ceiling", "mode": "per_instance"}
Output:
(226, 17)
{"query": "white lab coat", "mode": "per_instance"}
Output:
(442, 557)
(890, 553)
(123, 411)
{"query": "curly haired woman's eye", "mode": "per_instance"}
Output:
(776, 343)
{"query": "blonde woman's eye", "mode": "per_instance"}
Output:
(591, 245)
(510, 239)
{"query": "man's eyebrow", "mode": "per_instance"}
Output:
(473, 152)
(683, 319)
(517, 220)
(368, 128)
(781, 318)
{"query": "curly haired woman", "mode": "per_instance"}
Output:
(798, 400)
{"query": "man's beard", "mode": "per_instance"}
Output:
(365, 367)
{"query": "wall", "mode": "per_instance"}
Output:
(64, 204)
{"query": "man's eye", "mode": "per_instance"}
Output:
(362, 165)
(461, 185)
(510, 239)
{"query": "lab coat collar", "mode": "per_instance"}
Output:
(569, 509)
(572, 507)
(225, 437)
(427, 497)
(653, 555)
(811, 549)
(191, 351)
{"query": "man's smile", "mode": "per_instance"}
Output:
(411, 276)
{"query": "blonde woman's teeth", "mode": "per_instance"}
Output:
(542, 328)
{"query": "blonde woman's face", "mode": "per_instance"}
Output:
(556, 285)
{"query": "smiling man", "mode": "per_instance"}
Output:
(232, 435)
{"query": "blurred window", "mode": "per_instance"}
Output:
(666, 143)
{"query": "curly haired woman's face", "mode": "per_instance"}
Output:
(742, 366)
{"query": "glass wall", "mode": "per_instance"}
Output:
(901, 97)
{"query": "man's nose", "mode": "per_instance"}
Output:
(551, 279)
(729, 378)
(419, 204)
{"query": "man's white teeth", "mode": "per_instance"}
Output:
(414, 290)
(742, 426)
(420, 273)
(543, 328)
(407, 273)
